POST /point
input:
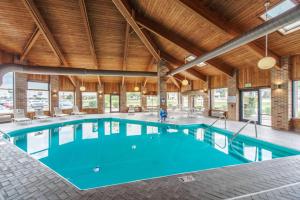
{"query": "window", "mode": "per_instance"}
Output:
(219, 99)
(151, 101)
(66, 100)
(172, 99)
(37, 96)
(133, 99)
(296, 99)
(185, 102)
(89, 100)
(279, 9)
(198, 102)
(7, 93)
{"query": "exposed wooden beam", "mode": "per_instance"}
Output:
(149, 67)
(41, 24)
(178, 40)
(29, 44)
(125, 52)
(230, 28)
(72, 80)
(125, 9)
(99, 81)
(175, 82)
(177, 63)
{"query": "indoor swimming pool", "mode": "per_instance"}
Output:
(94, 153)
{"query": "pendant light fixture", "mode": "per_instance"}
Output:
(184, 82)
(82, 87)
(136, 88)
(266, 62)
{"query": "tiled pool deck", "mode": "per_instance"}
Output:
(22, 177)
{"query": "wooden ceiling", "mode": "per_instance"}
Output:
(96, 34)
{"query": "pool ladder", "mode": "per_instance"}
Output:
(222, 117)
(5, 134)
(243, 127)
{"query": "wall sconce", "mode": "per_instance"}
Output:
(54, 93)
(278, 86)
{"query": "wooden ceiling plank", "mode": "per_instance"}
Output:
(149, 67)
(217, 20)
(178, 40)
(41, 24)
(125, 52)
(29, 44)
(175, 82)
(125, 9)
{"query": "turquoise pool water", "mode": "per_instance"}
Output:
(102, 152)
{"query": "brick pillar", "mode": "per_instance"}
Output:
(78, 95)
(162, 83)
(206, 98)
(20, 94)
(281, 103)
(123, 107)
(144, 99)
(233, 98)
(100, 101)
(54, 87)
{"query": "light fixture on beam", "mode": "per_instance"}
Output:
(185, 82)
(266, 62)
(82, 87)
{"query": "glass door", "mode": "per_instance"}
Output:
(265, 106)
(107, 103)
(114, 103)
(249, 105)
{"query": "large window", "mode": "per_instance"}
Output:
(219, 99)
(37, 96)
(151, 101)
(185, 102)
(66, 99)
(133, 99)
(89, 100)
(198, 102)
(296, 100)
(172, 99)
(279, 9)
(6, 93)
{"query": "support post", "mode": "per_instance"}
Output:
(162, 83)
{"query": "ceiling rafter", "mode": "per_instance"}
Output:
(29, 44)
(125, 52)
(149, 67)
(181, 42)
(127, 12)
(83, 11)
(231, 29)
(43, 28)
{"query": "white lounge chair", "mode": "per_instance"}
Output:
(39, 114)
(77, 112)
(131, 110)
(19, 116)
(58, 112)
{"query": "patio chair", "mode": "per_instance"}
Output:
(39, 114)
(131, 110)
(77, 112)
(19, 116)
(58, 112)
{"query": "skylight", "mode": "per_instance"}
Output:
(279, 9)
(191, 58)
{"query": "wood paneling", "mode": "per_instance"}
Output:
(38, 77)
(65, 84)
(111, 88)
(255, 76)
(172, 88)
(90, 87)
(220, 81)
(295, 67)
(199, 85)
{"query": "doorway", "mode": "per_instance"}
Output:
(111, 103)
(256, 106)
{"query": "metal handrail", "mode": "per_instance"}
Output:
(221, 117)
(243, 127)
(8, 136)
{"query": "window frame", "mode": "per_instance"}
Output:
(178, 101)
(89, 107)
(48, 89)
(151, 96)
(212, 99)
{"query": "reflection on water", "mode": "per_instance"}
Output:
(124, 151)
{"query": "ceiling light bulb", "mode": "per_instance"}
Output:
(82, 88)
(184, 82)
(136, 88)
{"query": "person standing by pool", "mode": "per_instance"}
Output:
(163, 114)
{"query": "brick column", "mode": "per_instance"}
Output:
(100, 89)
(20, 94)
(54, 87)
(281, 103)
(233, 97)
(162, 83)
(78, 95)
(123, 107)
(206, 97)
(144, 99)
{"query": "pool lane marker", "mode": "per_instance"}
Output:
(263, 191)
